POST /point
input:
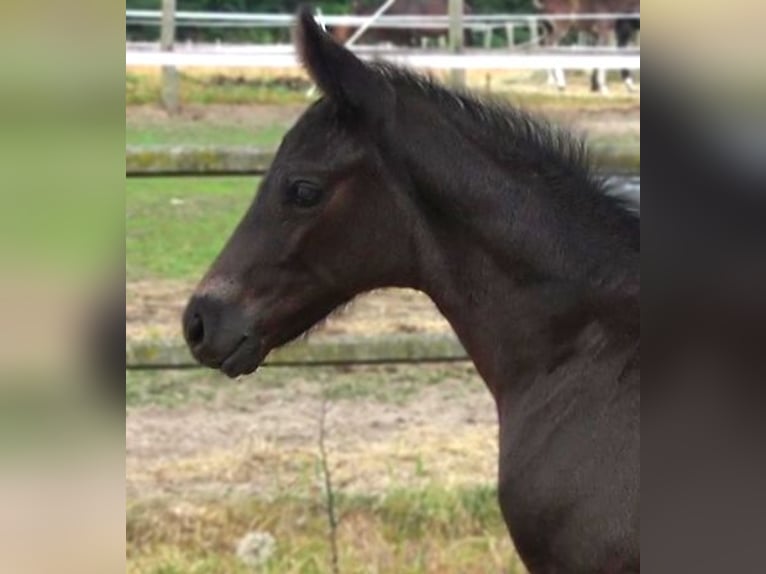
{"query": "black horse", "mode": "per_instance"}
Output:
(393, 180)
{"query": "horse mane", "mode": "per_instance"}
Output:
(587, 234)
(515, 137)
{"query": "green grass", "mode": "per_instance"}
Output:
(418, 527)
(183, 131)
(142, 88)
(407, 531)
(174, 228)
(393, 384)
(546, 102)
(263, 87)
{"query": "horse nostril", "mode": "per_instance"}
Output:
(195, 330)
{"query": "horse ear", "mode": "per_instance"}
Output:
(340, 75)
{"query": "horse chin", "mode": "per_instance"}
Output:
(273, 332)
(245, 359)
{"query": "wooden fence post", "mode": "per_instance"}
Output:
(457, 76)
(170, 79)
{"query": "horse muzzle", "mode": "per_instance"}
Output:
(221, 336)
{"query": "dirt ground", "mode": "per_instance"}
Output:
(254, 116)
(392, 425)
(260, 435)
(263, 439)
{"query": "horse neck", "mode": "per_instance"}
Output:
(514, 325)
(525, 276)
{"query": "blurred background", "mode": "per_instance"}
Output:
(370, 446)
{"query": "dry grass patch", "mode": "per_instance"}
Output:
(426, 530)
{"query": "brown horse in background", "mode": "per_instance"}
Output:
(398, 36)
(625, 30)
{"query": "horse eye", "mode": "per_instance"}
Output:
(304, 194)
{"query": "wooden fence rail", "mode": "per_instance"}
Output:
(193, 161)
(420, 348)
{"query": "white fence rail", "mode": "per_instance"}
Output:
(284, 57)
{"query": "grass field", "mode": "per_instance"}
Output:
(197, 133)
(410, 450)
(174, 228)
(394, 385)
(230, 87)
(210, 128)
(245, 109)
(405, 531)
(247, 86)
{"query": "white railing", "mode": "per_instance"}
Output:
(226, 19)
(610, 59)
